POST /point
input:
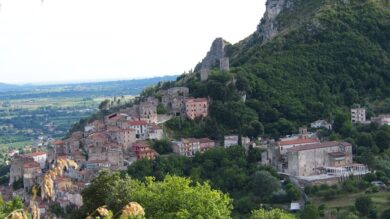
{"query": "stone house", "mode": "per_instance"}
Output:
(31, 174)
(308, 160)
(141, 128)
(113, 119)
(284, 145)
(179, 91)
(383, 119)
(232, 140)
(190, 146)
(17, 169)
(98, 139)
(196, 108)
(39, 157)
(96, 152)
(115, 156)
(173, 100)
(155, 132)
(148, 112)
(125, 136)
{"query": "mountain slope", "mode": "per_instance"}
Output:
(307, 60)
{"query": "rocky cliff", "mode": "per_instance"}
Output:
(217, 52)
(268, 27)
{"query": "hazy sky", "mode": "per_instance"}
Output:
(78, 40)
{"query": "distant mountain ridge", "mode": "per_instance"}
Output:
(85, 90)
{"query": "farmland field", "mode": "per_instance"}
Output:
(48, 111)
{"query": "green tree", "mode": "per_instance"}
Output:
(272, 214)
(56, 209)
(104, 105)
(263, 184)
(7, 207)
(382, 139)
(310, 212)
(363, 205)
(292, 192)
(254, 129)
(174, 197)
(350, 215)
(162, 146)
(110, 189)
(386, 214)
(161, 109)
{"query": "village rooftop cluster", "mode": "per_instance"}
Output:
(67, 166)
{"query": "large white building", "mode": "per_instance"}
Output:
(358, 115)
(311, 159)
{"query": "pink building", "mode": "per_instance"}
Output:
(142, 150)
(206, 144)
(196, 108)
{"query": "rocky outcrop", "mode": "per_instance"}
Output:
(217, 52)
(268, 27)
(215, 58)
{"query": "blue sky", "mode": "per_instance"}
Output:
(79, 40)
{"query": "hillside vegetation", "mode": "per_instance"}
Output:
(329, 56)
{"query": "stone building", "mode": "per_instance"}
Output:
(232, 140)
(147, 111)
(39, 157)
(196, 108)
(308, 160)
(190, 146)
(125, 137)
(141, 128)
(173, 99)
(155, 132)
(115, 156)
(31, 174)
(16, 170)
(383, 119)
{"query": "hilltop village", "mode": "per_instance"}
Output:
(119, 139)
(65, 167)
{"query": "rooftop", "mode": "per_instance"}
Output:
(326, 144)
(205, 140)
(196, 100)
(137, 122)
(299, 141)
(35, 154)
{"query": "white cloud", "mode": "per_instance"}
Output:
(101, 39)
